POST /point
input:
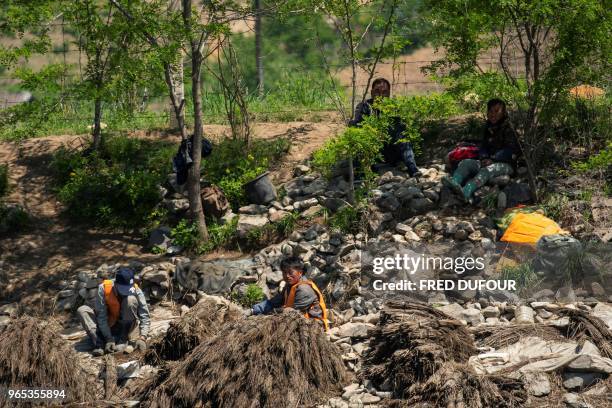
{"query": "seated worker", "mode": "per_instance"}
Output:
(299, 293)
(120, 307)
(392, 151)
(497, 154)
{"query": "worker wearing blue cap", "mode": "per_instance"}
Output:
(120, 308)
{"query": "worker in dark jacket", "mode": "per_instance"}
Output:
(392, 152)
(498, 153)
(299, 293)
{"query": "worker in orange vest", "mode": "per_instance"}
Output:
(299, 293)
(120, 307)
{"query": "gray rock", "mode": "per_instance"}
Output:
(369, 399)
(305, 204)
(313, 211)
(355, 330)
(407, 193)
(537, 383)
(421, 205)
(388, 202)
(253, 209)
(300, 170)
(574, 381)
(334, 204)
(65, 294)
(248, 223)
(160, 237)
(491, 311)
(156, 276)
(317, 187)
(575, 401)
(278, 216)
(176, 205)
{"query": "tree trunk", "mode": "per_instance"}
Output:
(193, 176)
(258, 50)
(97, 129)
(178, 89)
(177, 85)
(351, 168)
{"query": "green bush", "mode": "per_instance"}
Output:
(231, 165)
(523, 274)
(185, 234)
(364, 143)
(116, 186)
(348, 219)
(4, 180)
(253, 294)
(219, 235)
(12, 219)
(596, 162)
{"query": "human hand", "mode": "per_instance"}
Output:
(486, 162)
(110, 347)
(247, 313)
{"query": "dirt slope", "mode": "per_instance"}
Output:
(35, 263)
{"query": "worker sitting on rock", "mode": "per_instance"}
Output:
(497, 154)
(393, 151)
(120, 308)
(299, 293)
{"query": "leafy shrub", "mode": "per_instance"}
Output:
(474, 90)
(116, 186)
(219, 235)
(348, 219)
(599, 161)
(232, 164)
(252, 294)
(363, 143)
(555, 205)
(12, 218)
(185, 234)
(4, 180)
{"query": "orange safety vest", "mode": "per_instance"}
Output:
(290, 299)
(113, 306)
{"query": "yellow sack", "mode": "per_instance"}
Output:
(529, 228)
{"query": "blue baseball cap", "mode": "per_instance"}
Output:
(124, 281)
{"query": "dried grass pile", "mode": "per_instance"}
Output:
(411, 342)
(454, 385)
(502, 336)
(34, 355)
(584, 326)
(200, 323)
(265, 361)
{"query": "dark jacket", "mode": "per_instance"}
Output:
(499, 143)
(390, 151)
(305, 296)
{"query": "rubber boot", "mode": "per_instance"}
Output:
(454, 183)
(468, 191)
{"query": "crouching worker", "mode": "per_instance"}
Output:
(299, 293)
(120, 308)
(497, 155)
